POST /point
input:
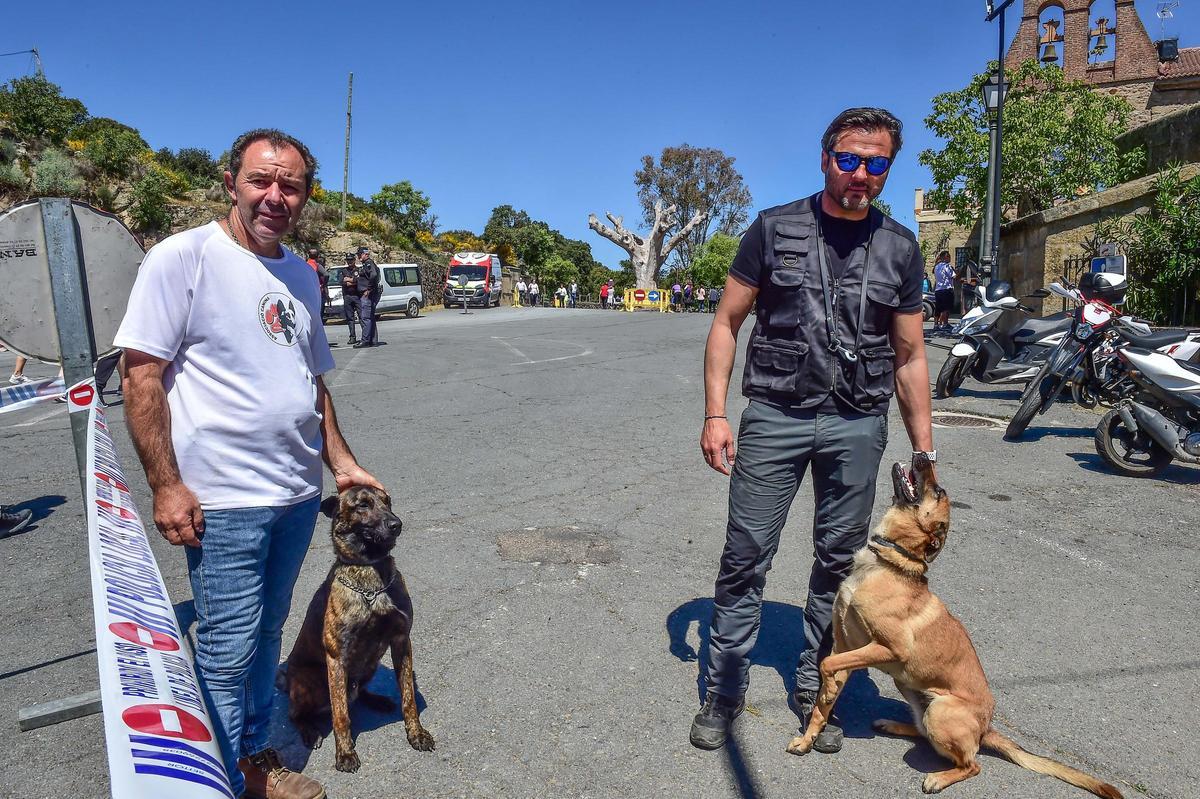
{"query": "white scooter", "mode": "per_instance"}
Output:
(1142, 436)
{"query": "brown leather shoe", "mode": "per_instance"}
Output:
(266, 778)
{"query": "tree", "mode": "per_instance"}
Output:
(1059, 142)
(558, 271)
(1163, 247)
(459, 241)
(534, 244)
(694, 180)
(402, 205)
(37, 110)
(648, 253)
(882, 205)
(711, 266)
(113, 151)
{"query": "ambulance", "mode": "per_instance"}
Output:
(473, 278)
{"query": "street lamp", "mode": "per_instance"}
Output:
(993, 98)
(994, 91)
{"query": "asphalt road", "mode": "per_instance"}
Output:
(561, 538)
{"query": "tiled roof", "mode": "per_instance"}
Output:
(1187, 66)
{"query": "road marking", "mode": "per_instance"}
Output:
(50, 414)
(1074, 554)
(345, 370)
(529, 361)
(516, 351)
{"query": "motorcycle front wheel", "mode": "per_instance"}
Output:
(1131, 455)
(1037, 391)
(952, 374)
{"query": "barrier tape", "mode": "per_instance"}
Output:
(26, 395)
(159, 735)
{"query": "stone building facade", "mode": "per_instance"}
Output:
(1131, 67)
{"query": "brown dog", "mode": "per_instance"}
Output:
(361, 609)
(885, 616)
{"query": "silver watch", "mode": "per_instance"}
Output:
(931, 455)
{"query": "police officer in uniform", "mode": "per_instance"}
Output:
(838, 330)
(369, 289)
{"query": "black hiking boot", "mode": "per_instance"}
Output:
(711, 726)
(829, 740)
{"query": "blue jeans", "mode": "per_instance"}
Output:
(242, 578)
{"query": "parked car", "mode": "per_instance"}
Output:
(401, 285)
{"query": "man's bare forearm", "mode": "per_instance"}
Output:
(718, 365)
(148, 418)
(912, 390)
(335, 450)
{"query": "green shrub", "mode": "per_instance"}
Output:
(37, 109)
(92, 127)
(54, 175)
(367, 222)
(150, 196)
(8, 151)
(11, 177)
(113, 151)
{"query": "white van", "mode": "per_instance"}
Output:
(401, 290)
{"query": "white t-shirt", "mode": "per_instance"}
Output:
(245, 340)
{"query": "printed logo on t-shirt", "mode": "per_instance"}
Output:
(277, 315)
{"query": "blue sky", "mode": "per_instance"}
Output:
(547, 106)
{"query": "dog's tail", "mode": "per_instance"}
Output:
(1011, 751)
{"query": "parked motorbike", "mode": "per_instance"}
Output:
(999, 341)
(1143, 435)
(1070, 361)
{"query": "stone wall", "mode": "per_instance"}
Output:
(1170, 139)
(1033, 248)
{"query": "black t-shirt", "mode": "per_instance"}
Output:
(842, 237)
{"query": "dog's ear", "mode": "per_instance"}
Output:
(329, 506)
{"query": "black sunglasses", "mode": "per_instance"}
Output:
(848, 162)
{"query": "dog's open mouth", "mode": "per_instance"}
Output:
(904, 488)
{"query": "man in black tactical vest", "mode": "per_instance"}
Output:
(838, 330)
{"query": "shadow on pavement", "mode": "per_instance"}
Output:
(291, 748)
(993, 394)
(1176, 473)
(780, 642)
(1038, 433)
(41, 507)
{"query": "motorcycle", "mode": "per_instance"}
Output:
(1071, 360)
(999, 342)
(1143, 435)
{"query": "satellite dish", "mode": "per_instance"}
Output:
(111, 257)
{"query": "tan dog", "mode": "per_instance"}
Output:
(359, 612)
(885, 616)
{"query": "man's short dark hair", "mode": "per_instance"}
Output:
(362, 250)
(869, 119)
(277, 138)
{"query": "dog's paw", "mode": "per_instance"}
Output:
(932, 784)
(800, 745)
(347, 762)
(422, 741)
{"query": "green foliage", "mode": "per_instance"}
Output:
(92, 127)
(459, 241)
(194, 163)
(37, 110)
(8, 151)
(54, 175)
(12, 178)
(1163, 248)
(151, 195)
(558, 271)
(694, 179)
(882, 205)
(534, 244)
(711, 266)
(369, 223)
(114, 151)
(402, 205)
(1059, 141)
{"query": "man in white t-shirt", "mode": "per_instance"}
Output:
(226, 406)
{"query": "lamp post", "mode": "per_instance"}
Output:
(993, 98)
(989, 236)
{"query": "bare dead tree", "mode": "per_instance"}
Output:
(647, 253)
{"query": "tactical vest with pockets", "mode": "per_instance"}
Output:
(815, 334)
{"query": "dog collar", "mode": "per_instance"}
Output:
(367, 595)
(890, 544)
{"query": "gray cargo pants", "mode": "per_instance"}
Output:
(775, 447)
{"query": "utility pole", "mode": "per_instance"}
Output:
(37, 59)
(346, 162)
(990, 249)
